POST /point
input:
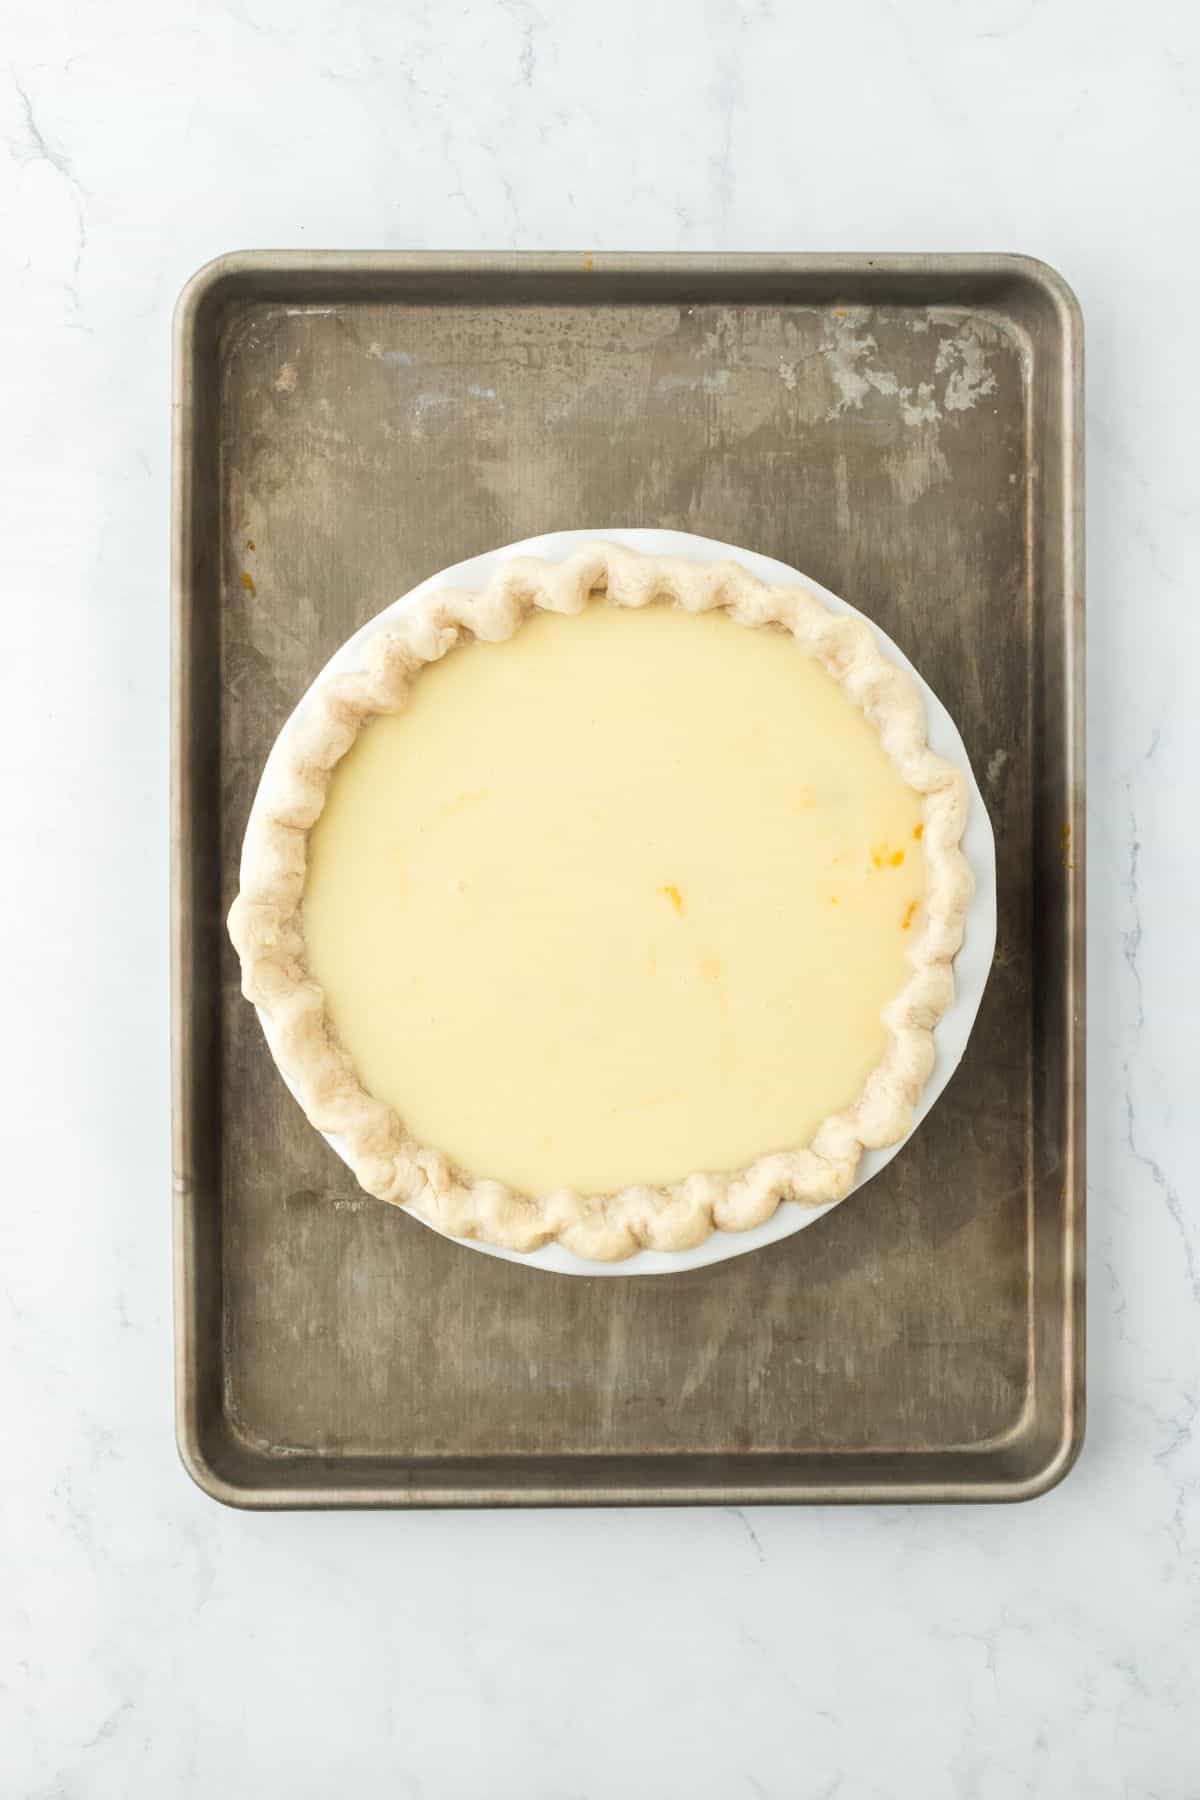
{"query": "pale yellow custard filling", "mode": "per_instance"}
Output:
(618, 900)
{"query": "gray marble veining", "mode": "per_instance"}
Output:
(151, 1643)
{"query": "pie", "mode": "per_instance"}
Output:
(615, 903)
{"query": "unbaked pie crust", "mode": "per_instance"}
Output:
(313, 852)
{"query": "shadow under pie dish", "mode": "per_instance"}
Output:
(611, 904)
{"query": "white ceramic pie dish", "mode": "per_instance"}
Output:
(972, 964)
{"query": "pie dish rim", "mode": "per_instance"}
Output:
(661, 1224)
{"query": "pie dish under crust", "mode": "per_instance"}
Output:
(266, 921)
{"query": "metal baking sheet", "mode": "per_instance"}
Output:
(907, 430)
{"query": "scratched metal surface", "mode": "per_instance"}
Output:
(346, 435)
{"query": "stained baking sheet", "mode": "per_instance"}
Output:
(908, 431)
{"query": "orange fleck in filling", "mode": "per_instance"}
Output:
(673, 895)
(910, 913)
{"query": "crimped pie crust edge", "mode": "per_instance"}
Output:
(266, 926)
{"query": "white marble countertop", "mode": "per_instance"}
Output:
(154, 1644)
